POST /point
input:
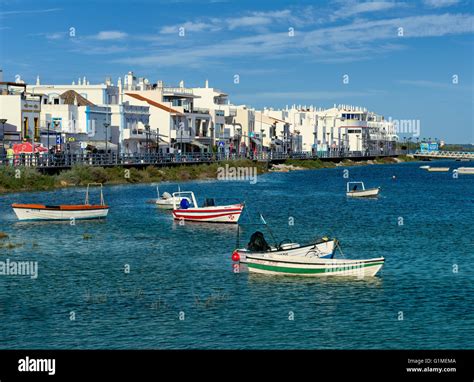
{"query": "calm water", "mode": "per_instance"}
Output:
(188, 269)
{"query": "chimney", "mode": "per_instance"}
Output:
(181, 84)
(38, 81)
(207, 84)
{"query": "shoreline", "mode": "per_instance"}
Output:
(31, 180)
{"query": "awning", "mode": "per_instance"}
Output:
(199, 144)
(256, 141)
(100, 145)
(277, 142)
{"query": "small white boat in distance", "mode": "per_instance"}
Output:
(464, 170)
(166, 201)
(438, 169)
(425, 167)
(209, 212)
(63, 211)
(358, 190)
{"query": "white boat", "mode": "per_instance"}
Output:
(464, 170)
(438, 169)
(322, 248)
(312, 260)
(425, 167)
(63, 211)
(188, 209)
(358, 190)
(166, 201)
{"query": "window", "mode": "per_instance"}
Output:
(25, 127)
(56, 101)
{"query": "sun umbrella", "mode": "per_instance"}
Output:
(27, 148)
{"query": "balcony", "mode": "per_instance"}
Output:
(134, 134)
(177, 91)
(200, 110)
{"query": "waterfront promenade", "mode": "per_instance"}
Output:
(53, 162)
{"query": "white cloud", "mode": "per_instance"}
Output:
(190, 26)
(344, 43)
(251, 20)
(110, 35)
(431, 84)
(440, 3)
(355, 8)
(28, 11)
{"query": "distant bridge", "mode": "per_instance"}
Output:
(444, 154)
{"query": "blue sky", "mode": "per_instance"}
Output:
(402, 77)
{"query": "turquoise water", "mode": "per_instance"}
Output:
(186, 271)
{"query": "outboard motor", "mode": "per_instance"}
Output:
(258, 243)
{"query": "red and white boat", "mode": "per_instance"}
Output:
(209, 212)
(63, 211)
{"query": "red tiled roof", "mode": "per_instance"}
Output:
(153, 103)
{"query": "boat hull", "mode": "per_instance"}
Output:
(465, 170)
(369, 193)
(438, 169)
(219, 214)
(278, 265)
(39, 212)
(322, 250)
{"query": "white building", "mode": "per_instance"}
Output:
(173, 114)
(341, 128)
(103, 112)
(22, 112)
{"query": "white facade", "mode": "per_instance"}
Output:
(22, 112)
(340, 128)
(98, 94)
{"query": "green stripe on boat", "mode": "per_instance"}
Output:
(308, 270)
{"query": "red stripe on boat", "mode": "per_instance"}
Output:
(205, 216)
(199, 210)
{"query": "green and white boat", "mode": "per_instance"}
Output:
(292, 259)
(274, 263)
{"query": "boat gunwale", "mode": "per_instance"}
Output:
(338, 261)
(245, 251)
(60, 207)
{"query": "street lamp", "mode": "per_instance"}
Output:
(3, 121)
(238, 140)
(157, 140)
(106, 125)
(181, 127)
(48, 123)
(328, 146)
(147, 137)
